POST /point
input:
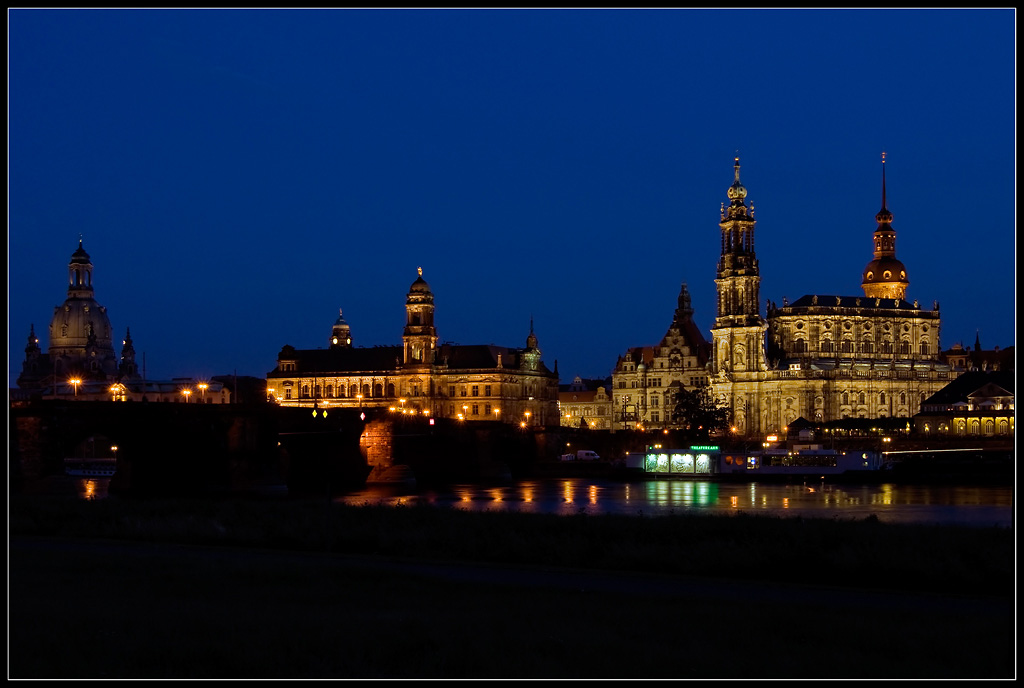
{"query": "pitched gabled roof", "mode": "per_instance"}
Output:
(969, 384)
(389, 359)
(343, 360)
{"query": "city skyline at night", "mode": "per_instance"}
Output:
(237, 177)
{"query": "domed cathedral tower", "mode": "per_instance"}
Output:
(885, 277)
(419, 338)
(80, 338)
(341, 334)
(738, 334)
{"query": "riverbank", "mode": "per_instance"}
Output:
(253, 588)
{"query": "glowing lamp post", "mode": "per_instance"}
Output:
(114, 450)
(74, 383)
(202, 390)
(187, 393)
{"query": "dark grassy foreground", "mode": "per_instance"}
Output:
(294, 589)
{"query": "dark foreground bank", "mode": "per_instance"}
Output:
(278, 589)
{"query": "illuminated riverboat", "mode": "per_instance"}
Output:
(711, 461)
(90, 468)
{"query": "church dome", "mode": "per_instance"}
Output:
(80, 334)
(885, 269)
(420, 286)
(76, 320)
(885, 278)
(80, 337)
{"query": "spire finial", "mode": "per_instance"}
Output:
(883, 179)
(420, 271)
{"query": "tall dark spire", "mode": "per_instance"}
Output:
(884, 276)
(531, 339)
(883, 216)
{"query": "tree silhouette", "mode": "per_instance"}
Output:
(698, 413)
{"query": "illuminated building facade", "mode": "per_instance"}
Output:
(81, 362)
(464, 382)
(585, 403)
(976, 404)
(822, 357)
(645, 379)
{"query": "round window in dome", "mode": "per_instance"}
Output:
(870, 275)
(886, 275)
(903, 274)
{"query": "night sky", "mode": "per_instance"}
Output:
(239, 176)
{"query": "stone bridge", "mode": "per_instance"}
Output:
(180, 448)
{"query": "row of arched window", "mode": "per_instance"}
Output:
(975, 427)
(864, 347)
(861, 398)
(351, 391)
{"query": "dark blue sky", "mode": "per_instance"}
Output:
(239, 176)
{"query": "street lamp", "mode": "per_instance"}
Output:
(74, 383)
(465, 411)
(202, 390)
(113, 448)
(187, 393)
(497, 411)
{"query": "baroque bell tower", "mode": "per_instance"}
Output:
(739, 328)
(420, 336)
(885, 277)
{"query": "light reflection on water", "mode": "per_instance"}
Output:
(984, 505)
(974, 505)
(92, 488)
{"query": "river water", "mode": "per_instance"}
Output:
(938, 504)
(981, 506)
